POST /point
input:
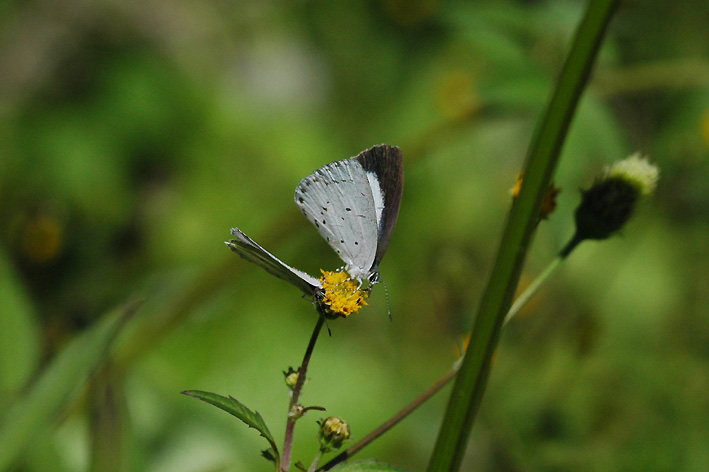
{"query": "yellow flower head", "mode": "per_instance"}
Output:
(341, 295)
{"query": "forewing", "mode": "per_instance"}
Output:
(252, 252)
(337, 199)
(386, 163)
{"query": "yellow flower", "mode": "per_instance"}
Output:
(342, 295)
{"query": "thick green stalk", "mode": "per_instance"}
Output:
(542, 158)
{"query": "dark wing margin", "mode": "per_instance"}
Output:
(252, 252)
(387, 163)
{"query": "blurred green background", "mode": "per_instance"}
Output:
(133, 135)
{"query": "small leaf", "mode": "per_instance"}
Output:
(369, 465)
(232, 406)
(269, 455)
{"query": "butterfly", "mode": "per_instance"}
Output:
(354, 204)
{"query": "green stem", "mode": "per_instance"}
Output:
(542, 159)
(533, 288)
(314, 466)
(570, 246)
(302, 372)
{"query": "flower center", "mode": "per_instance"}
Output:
(342, 295)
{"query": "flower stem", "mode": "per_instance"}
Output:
(571, 245)
(314, 466)
(302, 371)
(533, 288)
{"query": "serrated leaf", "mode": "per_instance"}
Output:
(369, 465)
(235, 408)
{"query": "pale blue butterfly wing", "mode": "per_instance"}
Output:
(251, 251)
(337, 199)
(354, 204)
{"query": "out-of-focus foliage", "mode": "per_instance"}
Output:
(133, 135)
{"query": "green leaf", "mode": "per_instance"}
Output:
(59, 384)
(369, 465)
(19, 350)
(232, 406)
(270, 454)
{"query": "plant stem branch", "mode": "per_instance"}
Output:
(314, 466)
(533, 288)
(391, 422)
(292, 414)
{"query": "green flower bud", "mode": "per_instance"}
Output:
(333, 433)
(291, 377)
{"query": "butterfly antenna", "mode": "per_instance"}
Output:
(386, 293)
